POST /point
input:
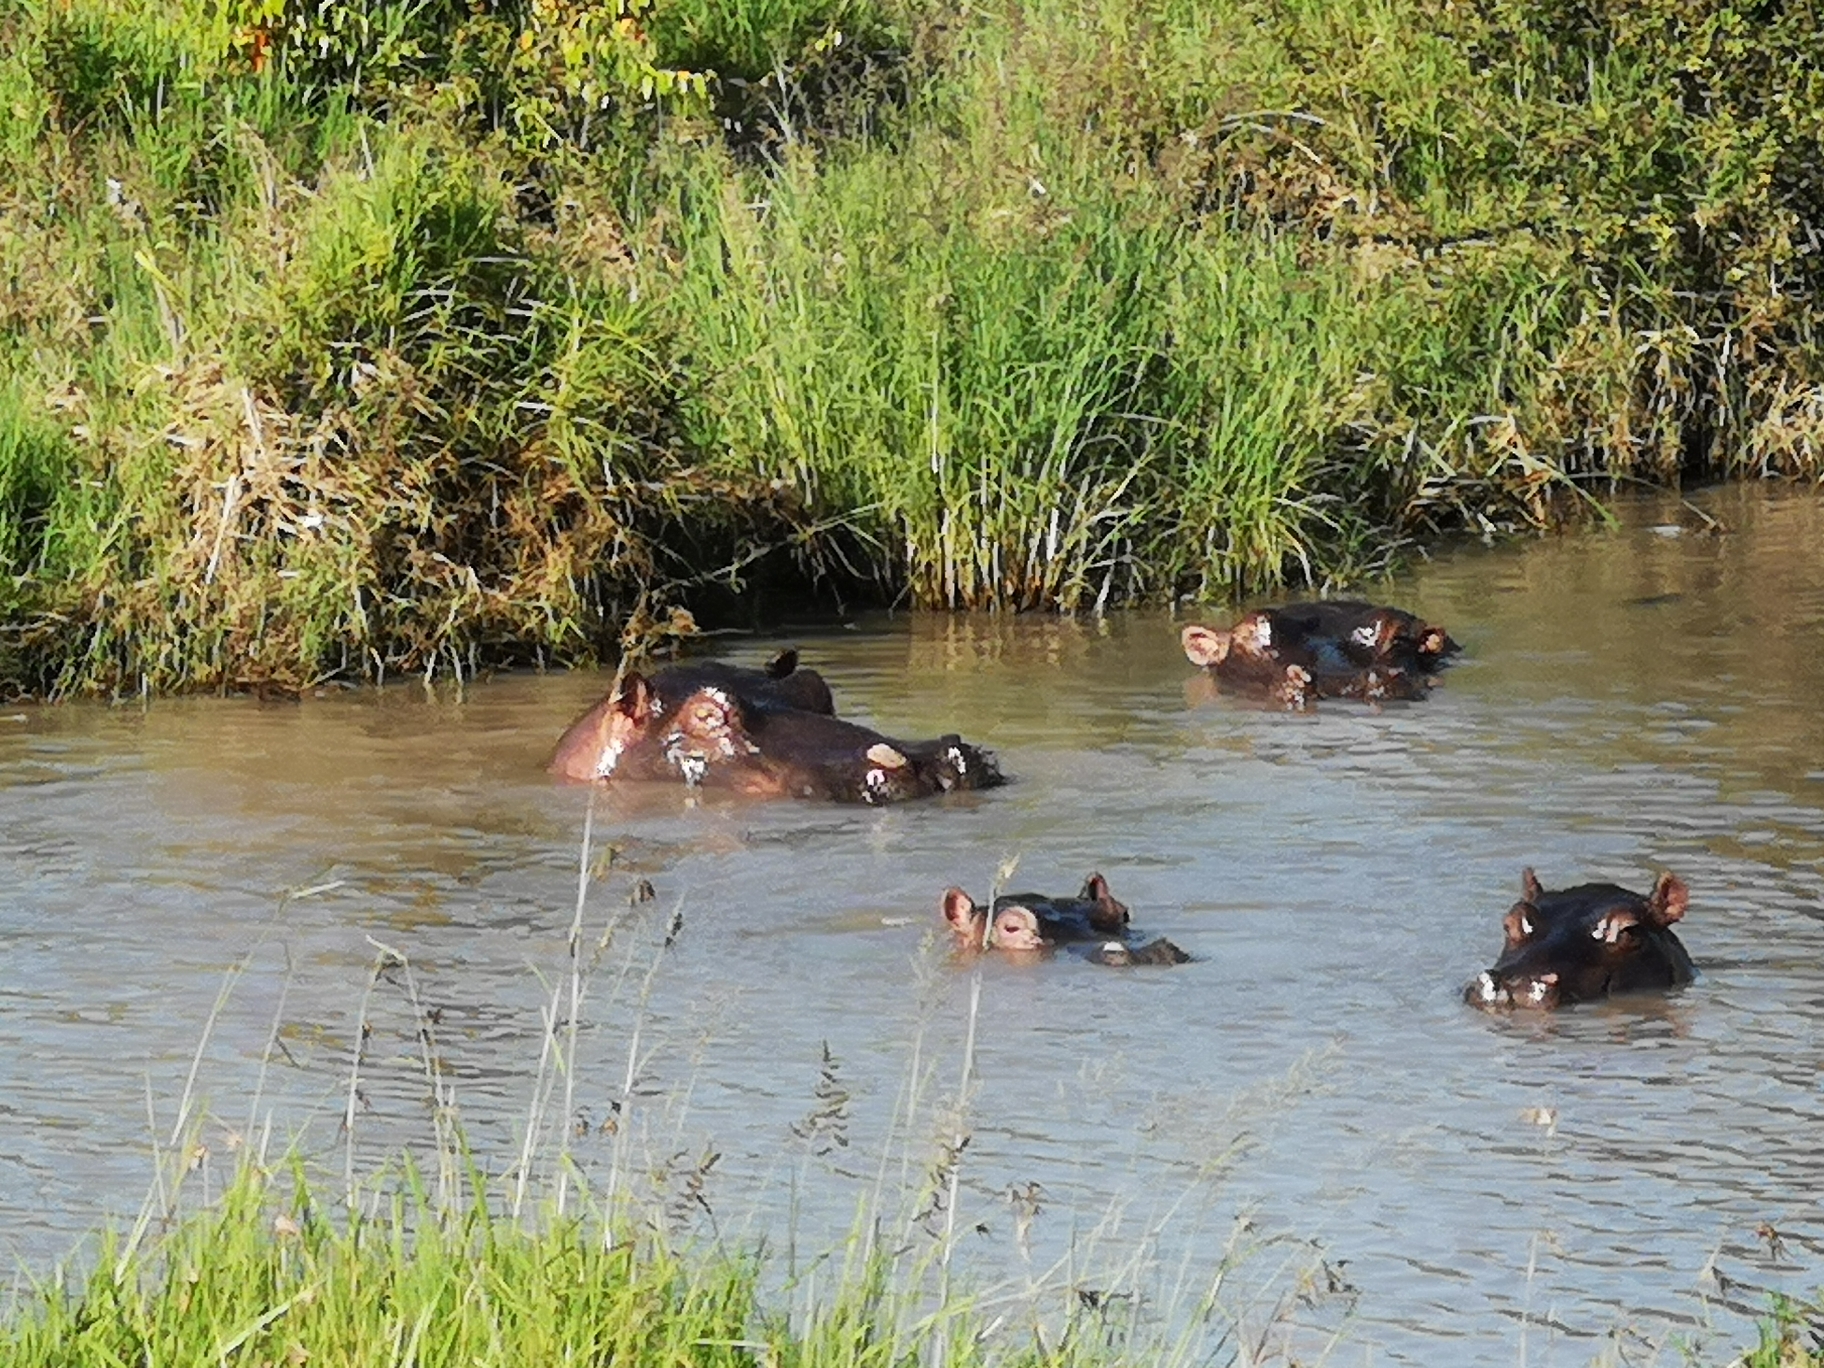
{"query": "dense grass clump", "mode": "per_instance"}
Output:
(1792, 1337)
(265, 1275)
(405, 336)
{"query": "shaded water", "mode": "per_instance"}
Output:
(1482, 1190)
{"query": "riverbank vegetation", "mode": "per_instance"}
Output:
(406, 335)
(265, 1276)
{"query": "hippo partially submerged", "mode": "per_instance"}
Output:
(763, 732)
(1585, 943)
(1337, 648)
(1038, 922)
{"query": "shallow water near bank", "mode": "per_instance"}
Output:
(1478, 1189)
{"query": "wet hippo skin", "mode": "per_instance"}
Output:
(1585, 943)
(776, 686)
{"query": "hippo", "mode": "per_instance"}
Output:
(618, 734)
(760, 732)
(1369, 634)
(1301, 652)
(1026, 922)
(1585, 943)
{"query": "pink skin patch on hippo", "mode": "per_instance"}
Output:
(1015, 928)
(1012, 928)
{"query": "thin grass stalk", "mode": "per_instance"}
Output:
(443, 1097)
(166, 1199)
(273, 1042)
(959, 1137)
(540, 1100)
(573, 947)
(357, 1052)
(630, 1076)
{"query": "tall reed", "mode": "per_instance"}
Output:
(406, 337)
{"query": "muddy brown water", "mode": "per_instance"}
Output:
(1423, 1182)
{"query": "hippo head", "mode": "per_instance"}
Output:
(1385, 632)
(1251, 637)
(1029, 921)
(1011, 927)
(1584, 943)
(949, 764)
(595, 743)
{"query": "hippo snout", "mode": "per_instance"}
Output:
(1532, 991)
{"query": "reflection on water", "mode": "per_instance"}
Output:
(1482, 1190)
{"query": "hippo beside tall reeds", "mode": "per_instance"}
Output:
(761, 732)
(1343, 648)
(1038, 922)
(1585, 943)
(619, 735)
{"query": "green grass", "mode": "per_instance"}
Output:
(265, 1273)
(1792, 1337)
(403, 337)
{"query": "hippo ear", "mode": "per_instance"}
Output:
(635, 695)
(1109, 915)
(1668, 900)
(1204, 645)
(1530, 888)
(1521, 922)
(782, 664)
(961, 912)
